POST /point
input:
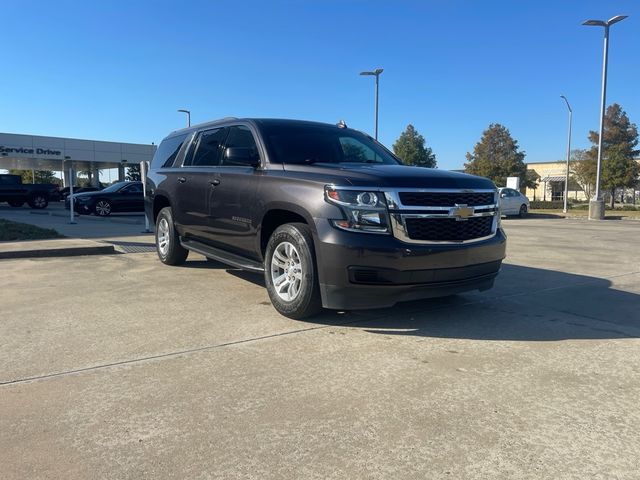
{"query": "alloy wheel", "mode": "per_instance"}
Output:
(163, 237)
(286, 271)
(103, 208)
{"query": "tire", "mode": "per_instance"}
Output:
(102, 208)
(523, 211)
(290, 272)
(38, 201)
(16, 203)
(168, 247)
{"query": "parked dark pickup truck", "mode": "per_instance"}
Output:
(330, 216)
(16, 193)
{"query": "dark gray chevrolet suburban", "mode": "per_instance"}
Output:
(331, 217)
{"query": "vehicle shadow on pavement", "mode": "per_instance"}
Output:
(526, 304)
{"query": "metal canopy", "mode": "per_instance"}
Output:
(554, 178)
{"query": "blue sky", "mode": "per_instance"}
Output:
(119, 70)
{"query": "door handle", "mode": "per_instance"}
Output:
(182, 179)
(215, 182)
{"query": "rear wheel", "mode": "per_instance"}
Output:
(38, 201)
(102, 208)
(168, 245)
(290, 272)
(523, 211)
(16, 203)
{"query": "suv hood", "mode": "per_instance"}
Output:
(392, 176)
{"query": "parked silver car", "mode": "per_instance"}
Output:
(513, 202)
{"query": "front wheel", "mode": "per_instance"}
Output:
(168, 245)
(38, 201)
(523, 211)
(103, 208)
(290, 272)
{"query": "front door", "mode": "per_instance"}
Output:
(232, 198)
(130, 199)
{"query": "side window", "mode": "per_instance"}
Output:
(355, 151)
(9, 180)
(208, 148)
(135, 188)
(241, 137)
(167, 152)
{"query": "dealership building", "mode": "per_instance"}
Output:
(70, 155)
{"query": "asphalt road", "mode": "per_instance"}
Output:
(120, 367)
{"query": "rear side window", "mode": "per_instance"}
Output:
(209, 148)
(9, 180)
(168, 151)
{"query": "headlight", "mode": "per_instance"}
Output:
(365, 211)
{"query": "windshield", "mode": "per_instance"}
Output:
(307, 145)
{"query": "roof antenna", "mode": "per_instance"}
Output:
(342, 124)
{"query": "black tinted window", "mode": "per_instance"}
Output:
(135, 188)
(208, 149)
(241, 137)
(167, 152)
(309, 144)
(9, 180)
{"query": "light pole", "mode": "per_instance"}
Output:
(375, 73)
(596, 205)
(566, 180)
(188, 112)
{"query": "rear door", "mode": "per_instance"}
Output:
(194, 180)
(231, 198)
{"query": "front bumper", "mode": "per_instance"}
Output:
(361, 271)
(79, 207)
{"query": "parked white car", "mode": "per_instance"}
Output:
(513, 202)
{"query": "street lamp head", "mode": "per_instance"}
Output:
(184, 111)
(567, 102)
(602, 23)
(616, 19)
(376, 72)
(595, 23)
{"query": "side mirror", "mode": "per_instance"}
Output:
(241, 156)
(502, 195)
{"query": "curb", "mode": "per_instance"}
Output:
(59, 252)
(122, 220)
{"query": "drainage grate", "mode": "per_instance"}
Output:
(133, 247)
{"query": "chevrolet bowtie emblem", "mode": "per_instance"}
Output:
(461, 212)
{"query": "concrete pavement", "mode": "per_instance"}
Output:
(120, 367)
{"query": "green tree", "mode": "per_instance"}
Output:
(583, 170)
(410, 147)
(497, 156)
(532, 179)
(41, 176)
(133, 173)
(620, 139)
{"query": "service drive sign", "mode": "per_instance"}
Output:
(30, 152)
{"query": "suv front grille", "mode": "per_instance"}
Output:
(443, 216)
(446, 199)
(448, 229)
